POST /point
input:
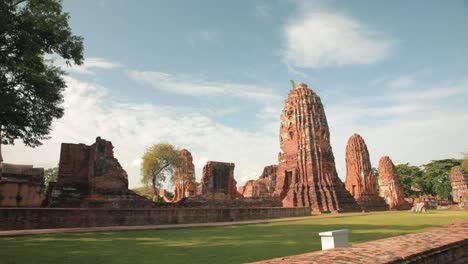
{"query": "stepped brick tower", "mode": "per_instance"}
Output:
(459, 182)
(306, 174)
(360, 180)
(185, 177)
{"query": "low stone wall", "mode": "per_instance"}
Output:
(42, 218)
(440, 245)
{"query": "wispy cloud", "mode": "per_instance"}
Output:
(91, 111)
(90, 65)
(263, 9)
(199, 87)
(319, 38)
(206, 35)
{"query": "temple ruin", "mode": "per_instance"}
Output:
(21, 185)
(306, 173)
(185, 177)
(218, 182)
(264, 186)
(360, 180)
(390, 187)
(459, 182)
(90, 176)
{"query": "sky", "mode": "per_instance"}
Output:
(211, 76)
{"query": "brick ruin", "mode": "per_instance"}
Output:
(390, 187)
(218, 182)
(459, 182)
(306, 173)
(185, 177)
(90, 176)
(21, 185)
(264, 186)
(360, 180)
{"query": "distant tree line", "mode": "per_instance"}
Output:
(431, 178)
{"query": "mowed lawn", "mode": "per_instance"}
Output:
(229, 244)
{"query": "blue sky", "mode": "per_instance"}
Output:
(211, 76)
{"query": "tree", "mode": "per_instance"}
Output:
(30, 85)
(376, 177)
(409, 177)
(465, 163)
(159, 163)
(50, 175)
(435, 179)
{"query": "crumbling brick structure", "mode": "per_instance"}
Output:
(390, 187)
(360, 180)
(185, 177)
(90, 176)
(459, 182)
(264, 186)
(21, 185)
(218, 182)
(306, 173)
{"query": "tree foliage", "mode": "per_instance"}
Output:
(159, 164)
(409, 177)
(50, 175)
(432, 178)
(30, 85)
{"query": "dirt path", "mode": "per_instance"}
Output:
(147, 227)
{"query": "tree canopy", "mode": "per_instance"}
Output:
(159, 164)
(431, 178)
(409, 177)
(31, 86)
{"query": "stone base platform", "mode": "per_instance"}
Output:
(441, 245)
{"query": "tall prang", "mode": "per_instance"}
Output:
(360, 180)
(390, 187)
(306, 174)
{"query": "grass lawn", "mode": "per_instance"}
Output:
(229, 244)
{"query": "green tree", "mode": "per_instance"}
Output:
(435, 179)
(50, 175)
(30, 85)
(409, 177)
(376, 177)
(159, 164)
(465, 163)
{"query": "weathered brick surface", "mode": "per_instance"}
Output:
(185, 177)
(21, 185)
(264, 186)
(360, 180)
(306, 173)
(441, 245)
(390, 187)
(90, 176)
(459, 182)
(41, 218)
(218, 181)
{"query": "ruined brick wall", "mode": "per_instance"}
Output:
(21, 185)
(306, 173)
(390, 187)
(264, 186)
(360, 180)
(437, 246)
(459, 182)
(218, 181)
(40, 218)
(90, 176)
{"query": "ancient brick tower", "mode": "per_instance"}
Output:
(360, 180)
(306, 174)
(185, 177)
(459, 182)
(390, 187)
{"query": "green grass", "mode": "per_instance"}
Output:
(229, 244)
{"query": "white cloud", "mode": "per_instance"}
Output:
(198, 87)
(89, 65)
(90, 111)
(318, 38)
